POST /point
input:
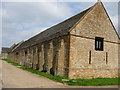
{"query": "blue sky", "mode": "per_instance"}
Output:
(22, 20)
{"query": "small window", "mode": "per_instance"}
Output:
(25, 52)
(17, 53)
(99, 43)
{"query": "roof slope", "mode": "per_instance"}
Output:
(15, 46)
(54, 31)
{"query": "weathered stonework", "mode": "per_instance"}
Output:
(70, 51)
(50, 56)
(101, 64)
(4, 55)
(85, 61)
(41, 58)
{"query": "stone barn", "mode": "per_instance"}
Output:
(83, 46)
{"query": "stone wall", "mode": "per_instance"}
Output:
(96, 24)
(85, 61)
(4, 55)
(51, 56)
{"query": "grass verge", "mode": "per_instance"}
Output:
(76, 82)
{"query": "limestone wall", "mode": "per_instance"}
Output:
(86, 62)
(4, 55)
(51, 56)
(96, 24)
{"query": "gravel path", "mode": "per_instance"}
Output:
(13, 77)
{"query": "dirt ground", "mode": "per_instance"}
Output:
(13, 77)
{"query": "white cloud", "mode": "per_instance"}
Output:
(27, 12)
(16, 36)
(59, 0)
(23, 20)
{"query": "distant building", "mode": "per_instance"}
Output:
(5, 52)
(83, 46)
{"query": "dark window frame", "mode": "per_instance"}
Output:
(17, 53)
(99, 44)
(25, 52)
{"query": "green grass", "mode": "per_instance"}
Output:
(9, 61)
(56, 78)
(94, 82)
(78, 82)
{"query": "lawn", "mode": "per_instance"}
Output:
(76, 82)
